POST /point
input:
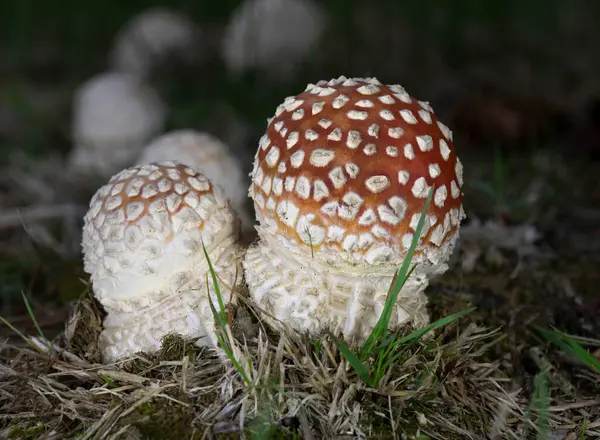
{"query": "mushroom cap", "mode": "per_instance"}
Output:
(343, 172)
(206, 153)
(146, 225)
(114, 115)
(150, 37)
(272, 34)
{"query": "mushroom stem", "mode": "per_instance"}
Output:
(316, 297)
(179, 305)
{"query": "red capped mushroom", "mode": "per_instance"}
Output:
(340, 179)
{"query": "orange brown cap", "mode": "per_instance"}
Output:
(346, 166)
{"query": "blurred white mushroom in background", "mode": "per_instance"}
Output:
(152, 37)
(114, 116)
(272, 35)
(209, 155)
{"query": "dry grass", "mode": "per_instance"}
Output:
(452, 386)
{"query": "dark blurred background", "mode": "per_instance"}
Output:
(517, 81)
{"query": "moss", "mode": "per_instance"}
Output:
(274, 433)
(162, 418)
(379, 427)
(540, 292)
(174, 348)
(26, 431)
(262, 427)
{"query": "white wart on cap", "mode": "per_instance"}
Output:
(339, 181)
(142, 246)
(207, 154)
(114, 116)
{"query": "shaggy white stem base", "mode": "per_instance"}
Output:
(311, 297)
(180, 306)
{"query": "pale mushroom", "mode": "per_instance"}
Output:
(142, 245)
(339, 183)
(152, 37)
(209, 155)
(114, 116)
(272, 35)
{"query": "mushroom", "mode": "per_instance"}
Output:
(114, 116)
(340, 179)
(142, 242)
(272, 35)
(152, 37)
(206, 153)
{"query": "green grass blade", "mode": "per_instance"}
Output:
(405, 267)
(553, 338)
(221, 319)
(590, 342)
(570, 346)
(316, 347)
(539, 406)
(32, 316)
(391, 344)
(224, 345)
(386, 342)
(392, 359)
(382, 363)
(217, 315)
(583, 355)
(215, 282)
(111, 383)
(417, 334)
(392, 352)
(584, 426)
(401, 276)
(361, 370)
(21, 335)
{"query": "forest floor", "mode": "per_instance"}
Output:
(525, 363)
